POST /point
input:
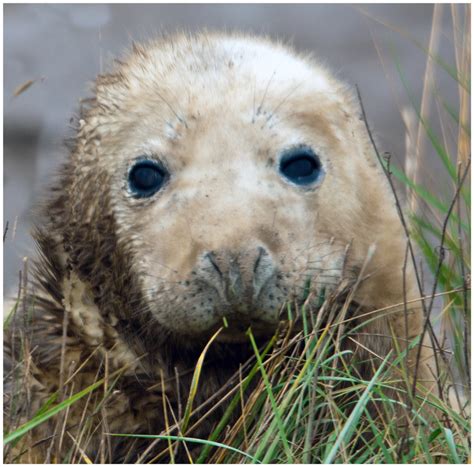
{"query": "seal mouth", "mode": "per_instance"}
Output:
(237, 327)
(237, 323)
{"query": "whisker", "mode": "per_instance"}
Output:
(293, 90)
(259, 109)
(181, 120)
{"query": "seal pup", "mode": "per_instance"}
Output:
(212, 178)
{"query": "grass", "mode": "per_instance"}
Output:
(440, 222)
(307, 403)
(302, 399)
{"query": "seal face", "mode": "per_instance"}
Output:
(235, 174)
(230, 175)
(228, 179)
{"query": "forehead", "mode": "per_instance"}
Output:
(266, 61)
(173, 86)
(184, 69)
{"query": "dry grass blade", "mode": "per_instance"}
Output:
(462, 53)
(84, 456)
(23, 87)
(428, 84)
(195, 382)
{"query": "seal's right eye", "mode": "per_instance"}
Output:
(300, 165)
(145, 178)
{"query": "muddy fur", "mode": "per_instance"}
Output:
(115, 284)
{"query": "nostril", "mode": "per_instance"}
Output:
(257, 262)
(212, 259)
(261, 253)
(264, 270)
(208, 273)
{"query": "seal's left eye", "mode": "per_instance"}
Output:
(145, 178)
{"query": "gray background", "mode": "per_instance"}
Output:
(62, 48)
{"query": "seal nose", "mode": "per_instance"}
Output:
(238, 278)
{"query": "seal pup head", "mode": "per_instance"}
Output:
(235, 174)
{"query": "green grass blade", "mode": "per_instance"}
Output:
(351, 422)
(448, 434)
(8, 318)
(43, 416)
(195, 382)
(454, 115)
(187, 439)
(423, 193)
(449, 242)
(276, 409)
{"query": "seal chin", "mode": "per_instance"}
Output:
(238, 331)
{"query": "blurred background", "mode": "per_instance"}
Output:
(53, 51)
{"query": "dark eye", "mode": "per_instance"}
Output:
(300, 165)
(145, 178)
